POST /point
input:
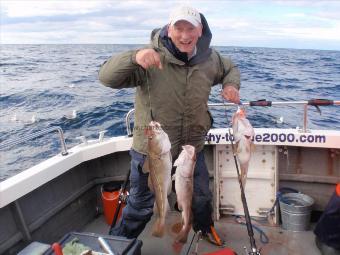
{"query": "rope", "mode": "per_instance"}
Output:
(263, 237)
(279, 194)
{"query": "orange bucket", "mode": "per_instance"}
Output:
(110, 199)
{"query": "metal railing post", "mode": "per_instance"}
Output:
(127, 122)
(26, 138)
(305, 109)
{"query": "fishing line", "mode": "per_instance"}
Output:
(225, 106)
(148, 86)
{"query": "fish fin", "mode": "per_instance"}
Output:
(182, 236)
(158, 229)
(180, 207)
(177, 247)
(190, 151)
(186, 226)
(170, 156)
(150, 185)
(244, 172)
(180, 160)
(166, 146)
(146, 166)
(194, 157)
(155, 209)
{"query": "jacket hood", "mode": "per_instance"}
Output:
(203, 44)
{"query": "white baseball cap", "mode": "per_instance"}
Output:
(185, 13)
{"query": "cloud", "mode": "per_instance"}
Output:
(19, 9)
(246, 23)
(296, 15)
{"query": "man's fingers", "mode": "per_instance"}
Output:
(234, 97)
(231, 94)
(157, 60)
(148, 58)
(148, 62)
(144, 64)
(159, 65)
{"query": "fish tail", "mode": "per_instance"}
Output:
(159, 228)
(182, 236)
(186, 219)
(244, 171)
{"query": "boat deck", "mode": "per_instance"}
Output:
(281, 242)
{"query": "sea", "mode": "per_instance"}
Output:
(44, 86)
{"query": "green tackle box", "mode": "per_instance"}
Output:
(121, 245)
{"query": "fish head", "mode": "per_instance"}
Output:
(153, 129)
(241, 126)
(239, 114)
(190, 152)
(186, 161)
(158, 140)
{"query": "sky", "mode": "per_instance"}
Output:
(276, 24)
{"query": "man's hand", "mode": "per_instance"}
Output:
(231, 94)
(148, 58)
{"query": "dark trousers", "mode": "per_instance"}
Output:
(139, 208)
(327, 229)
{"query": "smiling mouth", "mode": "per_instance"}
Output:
(186, 43)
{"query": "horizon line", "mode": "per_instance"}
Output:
(231, 46)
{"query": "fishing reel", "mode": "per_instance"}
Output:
(123, 196)
(254, 251)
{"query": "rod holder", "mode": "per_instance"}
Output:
(101, 135)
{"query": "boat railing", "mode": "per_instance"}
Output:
(259, 103)
(29, 137)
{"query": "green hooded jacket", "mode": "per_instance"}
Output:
(178, 93)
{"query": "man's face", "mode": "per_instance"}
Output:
(184, 35)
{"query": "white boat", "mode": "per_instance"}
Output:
(62, 194)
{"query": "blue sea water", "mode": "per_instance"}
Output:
(50, 81)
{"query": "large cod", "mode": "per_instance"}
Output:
(159, 163)
(185, 164)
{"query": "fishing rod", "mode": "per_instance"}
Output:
(121, 199)
(268, 103)
(254, 250)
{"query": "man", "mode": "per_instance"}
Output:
(173, 76)
(327, 230)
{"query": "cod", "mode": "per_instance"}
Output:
(243, 133)
(185, 164)
(158, 163)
